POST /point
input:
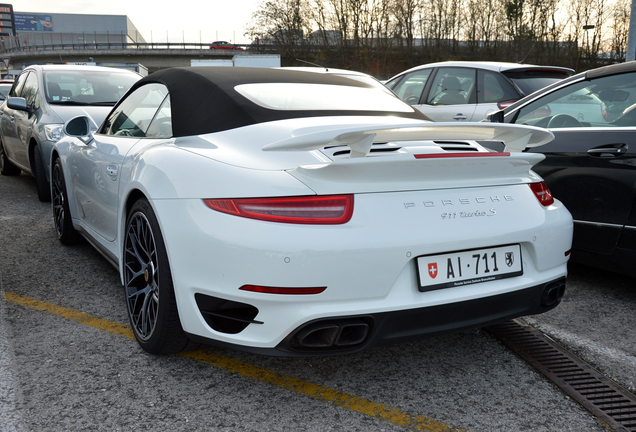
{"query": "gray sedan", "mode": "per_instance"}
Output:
(41, 100)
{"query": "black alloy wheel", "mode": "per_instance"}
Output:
(61, 214)
(150, 297)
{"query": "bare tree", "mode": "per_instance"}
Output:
(618, 27)
(406, 12)
(586, 20)
(283, 23)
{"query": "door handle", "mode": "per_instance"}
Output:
(608, 150)
(460, 116)
(111, 171)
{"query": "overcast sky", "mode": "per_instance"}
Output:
(194, 20)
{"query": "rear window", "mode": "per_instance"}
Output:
(530, 81)
(321, 97)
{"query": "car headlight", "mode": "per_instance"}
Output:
(53, 132)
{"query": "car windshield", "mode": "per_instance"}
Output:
(531, 81)
(87, 87)
(321, 97)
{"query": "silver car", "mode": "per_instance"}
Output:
(469, 91)
(42, 98)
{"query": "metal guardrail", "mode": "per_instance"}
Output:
(131, 46)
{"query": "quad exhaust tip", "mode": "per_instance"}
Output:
(331, 334)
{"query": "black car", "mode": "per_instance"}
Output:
(591, 164)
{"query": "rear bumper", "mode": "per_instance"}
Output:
(404, 325)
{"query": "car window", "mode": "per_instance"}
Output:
(17, 86)
(409, 88)
(30, 92)
(452, 86)
(493, 88)
(133, 115)
(320, 97)
(161, 125)
(529, 81)
(604, 102)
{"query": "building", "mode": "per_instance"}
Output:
(34, 28)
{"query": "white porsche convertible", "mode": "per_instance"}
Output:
(293, 213)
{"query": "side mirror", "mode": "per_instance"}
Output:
(79, 127)
(496, 117)
(18, 103)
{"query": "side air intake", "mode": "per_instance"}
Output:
(226, 316)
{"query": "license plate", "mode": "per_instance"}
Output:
(469, 267)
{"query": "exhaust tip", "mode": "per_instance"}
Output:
(553, 293)
(352, 334)
(322, 336)
(331, 334)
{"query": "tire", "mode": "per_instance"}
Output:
(43, 185)
(66, 233)
(150, 298)
(6, 167)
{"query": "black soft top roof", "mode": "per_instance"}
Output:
(204, 100)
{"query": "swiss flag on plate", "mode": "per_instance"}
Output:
(432, 270)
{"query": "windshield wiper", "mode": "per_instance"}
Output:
(77, 103)
(68, 102)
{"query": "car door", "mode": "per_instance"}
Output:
(10, 137)
(96, 167)
(591, 164)
(451, 96)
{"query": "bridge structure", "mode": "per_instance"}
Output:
(154, 56)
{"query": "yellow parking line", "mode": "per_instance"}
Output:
(353, 403)
(73, 315)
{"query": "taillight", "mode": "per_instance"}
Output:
(317, 210)
(543, 194)
(505, 104)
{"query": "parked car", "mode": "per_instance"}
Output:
(40, 101)
(591, 164)
(224, 45)
(468, 91)
(295, 213)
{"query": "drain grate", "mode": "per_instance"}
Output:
(597, 393)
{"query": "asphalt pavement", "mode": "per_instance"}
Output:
(67, 362)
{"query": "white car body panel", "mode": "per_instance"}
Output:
(281, 256)
(459, 112)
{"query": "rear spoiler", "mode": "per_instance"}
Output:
(516, 138)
